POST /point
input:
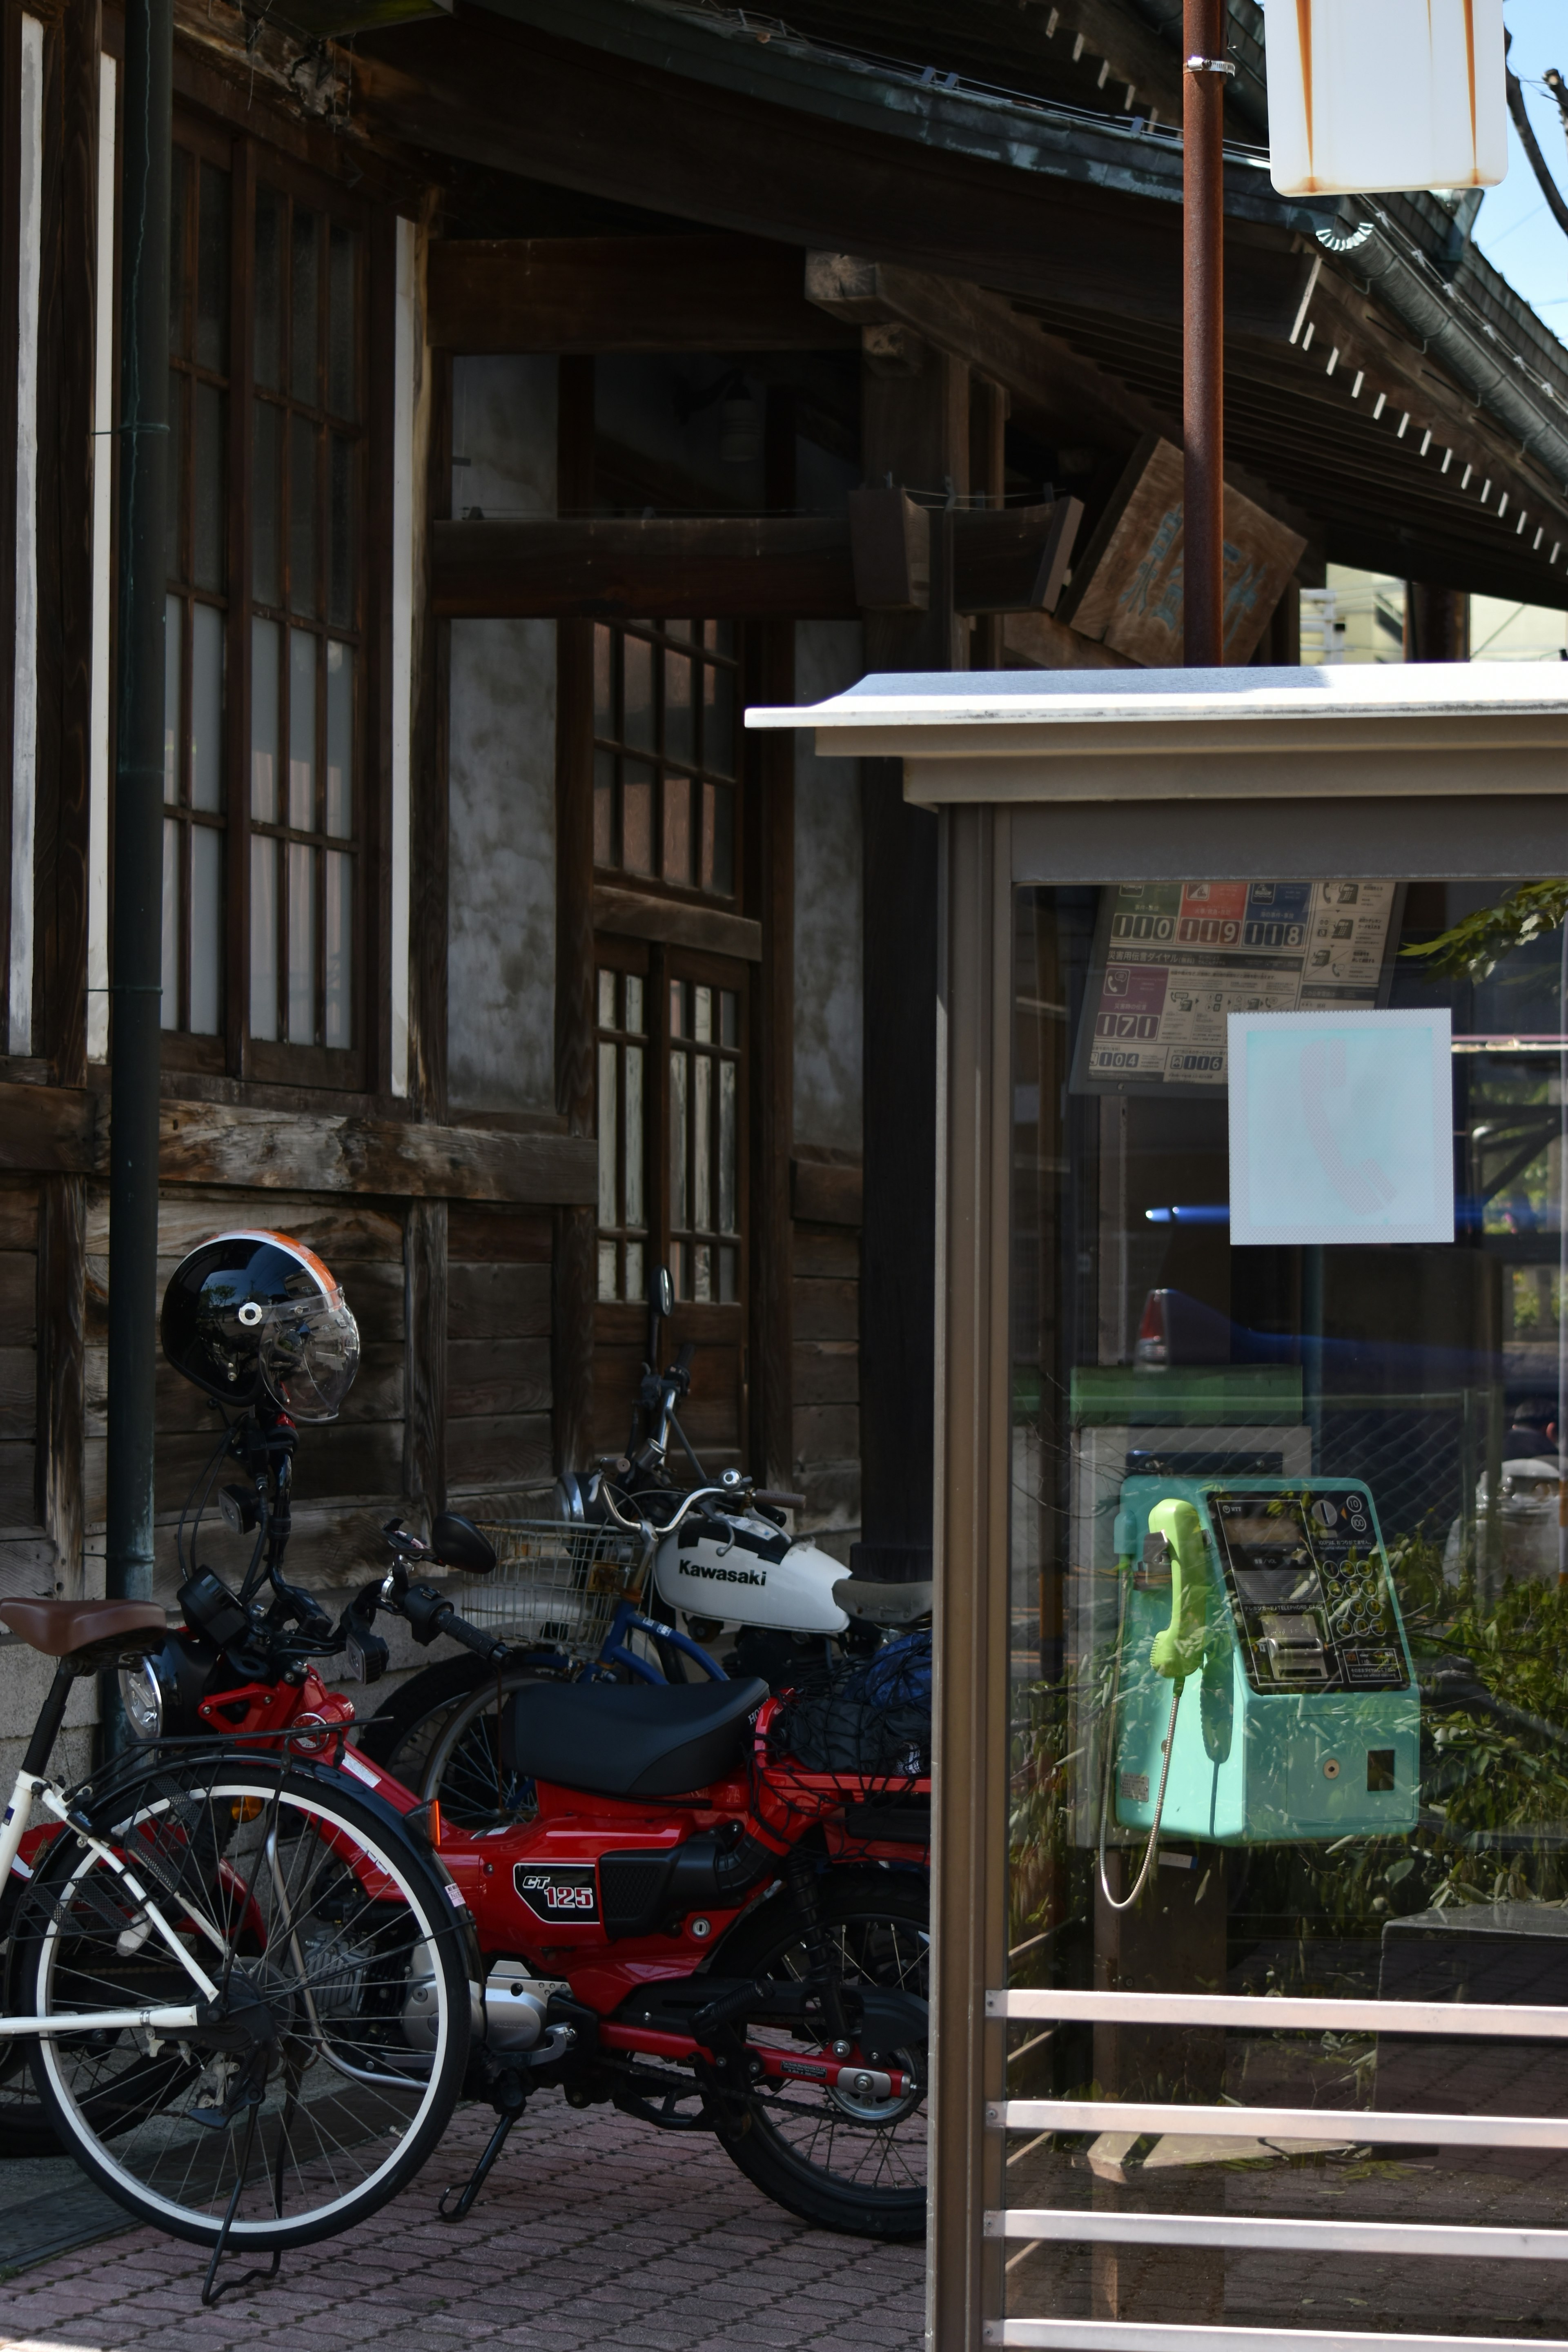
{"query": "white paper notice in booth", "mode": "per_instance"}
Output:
(1341, 1126)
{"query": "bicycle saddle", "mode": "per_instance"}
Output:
(59, 1628)
(628, 1739)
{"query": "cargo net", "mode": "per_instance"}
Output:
(852, 1730)
(555, 1585)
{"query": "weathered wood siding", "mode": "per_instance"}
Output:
(498, 1349)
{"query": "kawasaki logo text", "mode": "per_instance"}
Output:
(725, 1575)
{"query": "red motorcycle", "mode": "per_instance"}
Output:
(715, 1918)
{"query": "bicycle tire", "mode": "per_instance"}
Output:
(859, 2173)
(462, 1767)
(290, 1885)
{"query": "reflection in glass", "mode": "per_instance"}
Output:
(263, 936)
(169, 1012)
(264, 690)
(339, 739)
(729, 1220)
(206, 929)
(179, 234)
(604, 808)
(301, 515)
(633, 1146)
(677, 865)
(679, 1203)
(607, 984)
(337, 949)
(268, 314)
(304, 278)
(341, 534)
(719, 718)
(266, 503)
(342, 325)
(637, 689)
(609, 1137)
(301, 730)
(637, 817)
(175, 478)
(603, 680)
(212, 271)
(302, 862)
(173, 645)
(209, 436)
(680, 731)
(206, 708)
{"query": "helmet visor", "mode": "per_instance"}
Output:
(309, 1354)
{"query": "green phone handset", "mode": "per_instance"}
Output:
(1178, 1652)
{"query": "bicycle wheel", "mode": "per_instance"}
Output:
(462, 1765)
(846, 2163)
(323, 2075)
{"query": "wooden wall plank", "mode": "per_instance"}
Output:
(827, 1433)
(825, 1194)
(826, 1310)
(497, 1376)
(425, 1319)
(499, 1450)
(830, 1253)
(480, 1234)
(499, 1302)
(826, 1371)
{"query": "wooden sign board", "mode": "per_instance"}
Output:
(1127, 589)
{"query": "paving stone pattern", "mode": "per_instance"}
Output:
(592, 2234)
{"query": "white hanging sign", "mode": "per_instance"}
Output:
(1370, 94)
(1341, 1126)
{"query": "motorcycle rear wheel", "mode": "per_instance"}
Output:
(805, 2147)
(314, 1908)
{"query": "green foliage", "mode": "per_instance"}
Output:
(1475, 947)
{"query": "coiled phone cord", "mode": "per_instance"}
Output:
(1127, 1901)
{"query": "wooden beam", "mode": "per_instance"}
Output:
(637, 916)
(583, 567)
(544, 566)
(586, 294)
(424, 1356)
(575, 1252)
(207, 1143)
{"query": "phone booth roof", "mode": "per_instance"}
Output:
(1340, 731)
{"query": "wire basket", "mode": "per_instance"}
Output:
(553, 1583)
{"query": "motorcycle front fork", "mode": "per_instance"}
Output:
(800, 1877)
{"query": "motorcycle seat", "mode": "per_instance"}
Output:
(628, 1739)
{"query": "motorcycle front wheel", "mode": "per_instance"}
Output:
(845, 2163)
(318, 2081)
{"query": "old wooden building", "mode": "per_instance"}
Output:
(548, 384)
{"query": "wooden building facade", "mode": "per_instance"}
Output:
(548, 385)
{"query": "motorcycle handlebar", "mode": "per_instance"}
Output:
(431, 1613)
(698, 1494)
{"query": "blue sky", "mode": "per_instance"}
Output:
(1514, 228)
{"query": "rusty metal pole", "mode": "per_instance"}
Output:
(1203, 316)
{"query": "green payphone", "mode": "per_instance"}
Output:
(1264, 1688)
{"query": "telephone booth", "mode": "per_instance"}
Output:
(1251, 2020)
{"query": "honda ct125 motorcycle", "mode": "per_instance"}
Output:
(713, 1912)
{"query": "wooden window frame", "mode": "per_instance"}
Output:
(363, 1067)
(612, 750)
(658, 964)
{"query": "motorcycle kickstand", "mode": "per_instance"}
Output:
(511, 2098)
(213, 2295)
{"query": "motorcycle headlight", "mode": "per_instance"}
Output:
(142, 1696)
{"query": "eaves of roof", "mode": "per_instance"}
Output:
(722, 47)
(1494, 344)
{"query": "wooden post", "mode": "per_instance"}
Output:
(916, 429)
(1437, 624)
(1203, 330)
(574, 1255)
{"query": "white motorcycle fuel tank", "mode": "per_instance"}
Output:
(743, 1570)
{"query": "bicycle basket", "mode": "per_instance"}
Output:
(553, 1583)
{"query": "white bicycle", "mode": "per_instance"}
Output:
(243, 1988)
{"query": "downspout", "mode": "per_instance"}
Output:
(135, 976)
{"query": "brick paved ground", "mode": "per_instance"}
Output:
(594, 2235)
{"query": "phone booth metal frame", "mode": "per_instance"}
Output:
(1420, 772)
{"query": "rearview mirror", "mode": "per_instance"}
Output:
(458, 1543)
(663, 1293)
